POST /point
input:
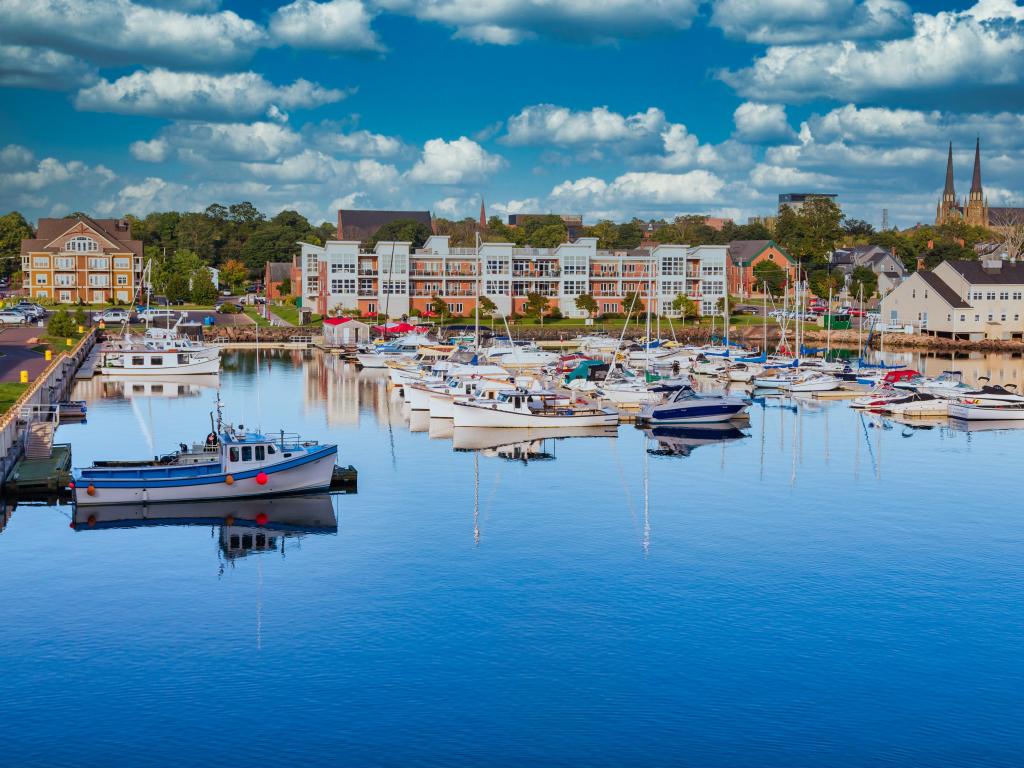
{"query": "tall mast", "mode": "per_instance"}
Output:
(476, 311)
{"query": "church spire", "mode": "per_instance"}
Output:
(949, 193)
(483, 214)
(976, 180)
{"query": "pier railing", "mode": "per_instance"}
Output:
(49, 387)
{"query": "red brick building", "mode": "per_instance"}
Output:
(744, 255)
(274, 276)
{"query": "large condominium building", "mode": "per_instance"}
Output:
(395, 279)
(92, 260)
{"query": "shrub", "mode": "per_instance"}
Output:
(61, 324)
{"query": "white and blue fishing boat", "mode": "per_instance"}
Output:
(232, 463)
(688, 407)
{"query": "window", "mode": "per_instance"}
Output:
(990, 317)
(394, 286)
(497, 265)
(371, 308)
(976, 295)
(64, 280)
(122, 279)
(1016, 295)
(455, 309)
(312, 284)
(122, 263)
(1002, 317)
(99, 281)
(990, 295)
(42, 294)
(673, 265)
(496, 287)
(233, 454)
(156, 360)
(977, 318)
(574, 287)
(260, 453)
(64, 262)
(311, 262)
(926, 294)
(343, 285)
(271, 450)
(182, 359)
(65, 296)
(963, 318)
(1016, 318)
(99, 262)
(673, 288)
(714, 287)
(609, 308)
(343, 268)
(712, 269)
(122, 295)
(138, 360)
(1004, 295)
(40, 262)
(41, 279)
(913, 294)
(246, 453)
(81, 244)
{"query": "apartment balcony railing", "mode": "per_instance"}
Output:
(426, 273)
(549, 275)
(367, 271)
(459, 292)
(461, 273)
(367, 292)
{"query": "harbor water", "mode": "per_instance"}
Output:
(818, 587)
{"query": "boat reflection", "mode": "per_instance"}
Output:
(960, 425)
(246, 527)
(681, 440)
(521, 444)
(113, 387)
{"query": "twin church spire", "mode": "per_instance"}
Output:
(975, 209)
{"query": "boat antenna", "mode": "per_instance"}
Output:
(220, 414)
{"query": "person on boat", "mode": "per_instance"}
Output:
(211, 440)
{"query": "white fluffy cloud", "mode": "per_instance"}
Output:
(259, 141)
(976, 53)
(15, 156)
(454, 162)
(23, 66)
(801, 21)
(641, 189)
(330, 137)
(338, 25)
(761, 122)
(545, 124)
(51, 171)
(161, 93)
(153, 151)
(114, 32)
(506, 22)
(775, 176)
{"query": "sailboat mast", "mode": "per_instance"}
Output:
(476, 310)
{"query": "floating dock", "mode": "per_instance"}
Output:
(88, 368)
(43, 475)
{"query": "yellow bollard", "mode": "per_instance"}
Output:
(103, 324)
(68, 342)
(48, 355)
(81, 329)
(24, 377)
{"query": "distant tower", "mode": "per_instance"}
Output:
(977, 207)
(948, 208)
(483, 214)
(885, 219)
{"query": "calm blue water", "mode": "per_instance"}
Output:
(820, 591)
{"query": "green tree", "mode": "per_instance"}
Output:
(233, 274)
(685, 306)
(79, 317)
(607, 234)
(402, 231)
(536, 306)
(863, 278)
(631, 303)
(245, 213)
(548, 236)
(13, 229)
(629, 235)
(276, 240)
(286, 287)
(587, 303)
(60, 324)
(440, 308)
(203, 290)
(176, 288)
(771, 273)
(822, 281)
(487, 306)
(857, 228)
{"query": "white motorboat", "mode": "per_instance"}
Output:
(973, 412)
(688, 407)
(742, 373)
(877, 397)
(517, 356)
(990, 395)
(682, 440)
(402, 349)
(812, 381)
(235, 464)
(145, 361)
(628, 392)
(917, 404)
(530, 409)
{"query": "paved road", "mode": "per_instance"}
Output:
(16, 353)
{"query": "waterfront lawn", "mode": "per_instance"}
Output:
(290, 314)
(10, 391)
(254, 313)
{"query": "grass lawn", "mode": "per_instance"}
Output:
(9, 392)
(290, 313)
(254, 313)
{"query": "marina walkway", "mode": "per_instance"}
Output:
(16, 353)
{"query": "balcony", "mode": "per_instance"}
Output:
(435, 273)
(462, 292)
(551, 274)
(364, 292)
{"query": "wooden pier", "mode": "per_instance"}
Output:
(46, 474)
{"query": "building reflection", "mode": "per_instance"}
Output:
(128, 387)
(246, 527)
(344, 392)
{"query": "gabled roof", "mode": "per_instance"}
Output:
(279, 270)
(976, 273)
(118, 232)
(944, 292)
(743, 252)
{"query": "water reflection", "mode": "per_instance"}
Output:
(126, 387)
(682, 440)
(246, 527)
(520, 444)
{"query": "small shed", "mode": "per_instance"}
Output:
(345, 332)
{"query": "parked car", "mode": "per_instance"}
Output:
(855, 312)
(9, 317)
(151, 314)
(30, 309)
(112, 316)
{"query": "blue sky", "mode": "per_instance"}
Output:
(624, 107)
